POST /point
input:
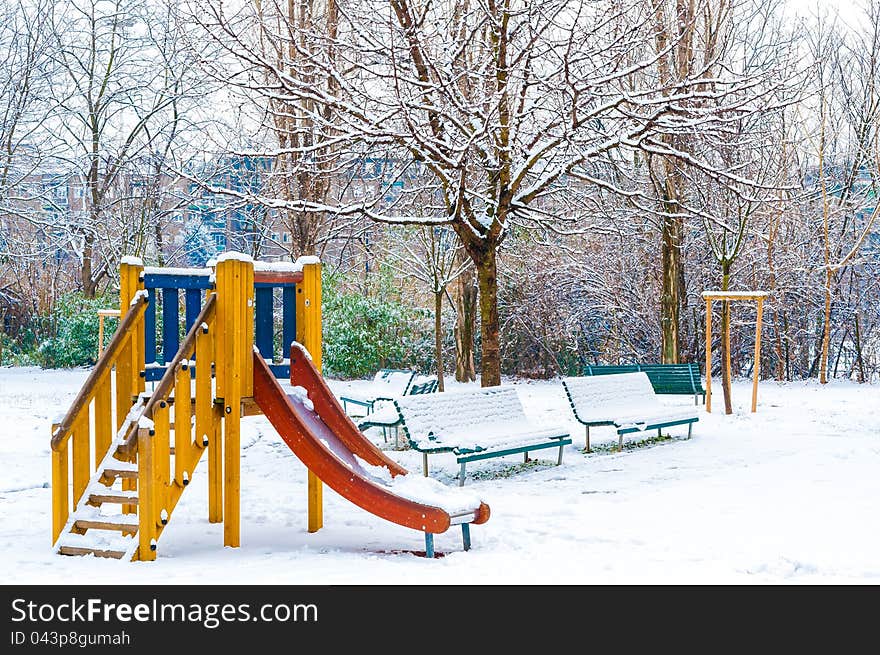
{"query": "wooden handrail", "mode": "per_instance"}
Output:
(167, 382)
(102, 366)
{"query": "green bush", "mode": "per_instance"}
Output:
(75, 321)
(364, 332)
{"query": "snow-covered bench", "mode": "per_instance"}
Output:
(474, 425)
(387, 383)
(626, 401)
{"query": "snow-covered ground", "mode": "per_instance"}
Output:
(787, 495)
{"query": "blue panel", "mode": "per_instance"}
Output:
(193, 306)
(150, 328)
(280, 371)
(273, 285)
(171, 281)
(288, 319)
(170, 324)
(263, 322)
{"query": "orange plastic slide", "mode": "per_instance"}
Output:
(322, 435)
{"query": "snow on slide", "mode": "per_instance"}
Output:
(312, 423)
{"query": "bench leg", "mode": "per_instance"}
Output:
(461, 475)
(659, 435)
(690, 426)
(526, 457)
(620, 443)
(466, 535)
(425, 463)
(559, 459)
(588, 440)
(429, 545)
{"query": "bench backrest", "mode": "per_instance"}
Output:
(390, 382)
(665, 378)
(421, 385)
(599, 398)
(674, 378)
(444, 419)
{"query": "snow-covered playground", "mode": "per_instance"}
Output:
(786, 495)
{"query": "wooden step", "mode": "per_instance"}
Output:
(110, 475)
(92, 524)
(77, 550)
(130, 474)
(125, 499)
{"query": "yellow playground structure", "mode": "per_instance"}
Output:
(123, 455)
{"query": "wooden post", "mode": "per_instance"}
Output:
(60, 491)
(162, 453)
(147, 529)
(757, 365)
(130, 363)
(103, 417)
(182, 424)
(208, 422)
(235, 377)
(82, 466)
(709, 355)
(309, 333)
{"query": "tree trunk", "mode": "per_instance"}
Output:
(670, 297)
(725, 339)
(88, 284)
(438, 338)
(465, 322)
(857, 339)
(826, 327)
(490, 358)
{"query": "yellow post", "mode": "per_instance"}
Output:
(146, 481)
(708, 354)
(103, 418)
(207, 421)
(82, 470)
(162, 453)
(235, 313)
(130, 363)
(309, 333)
(60, 502)
(182, 424)
(757, 367)
(130, 270)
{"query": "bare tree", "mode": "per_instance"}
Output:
(113, 89)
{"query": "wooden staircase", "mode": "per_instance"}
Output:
(122, 503)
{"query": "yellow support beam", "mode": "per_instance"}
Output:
(82, 465)
(162, 452)
(103, 417)
(309, 333)
(182, 424)
(60, 492)
(234, 365)
(147, 528)
(207, 427)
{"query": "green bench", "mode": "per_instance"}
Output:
(384, 415)
(387, 383)
(473, 425)
(673, 379)
(625, 401)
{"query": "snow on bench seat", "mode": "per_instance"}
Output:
(626, 401)
(474, 425)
